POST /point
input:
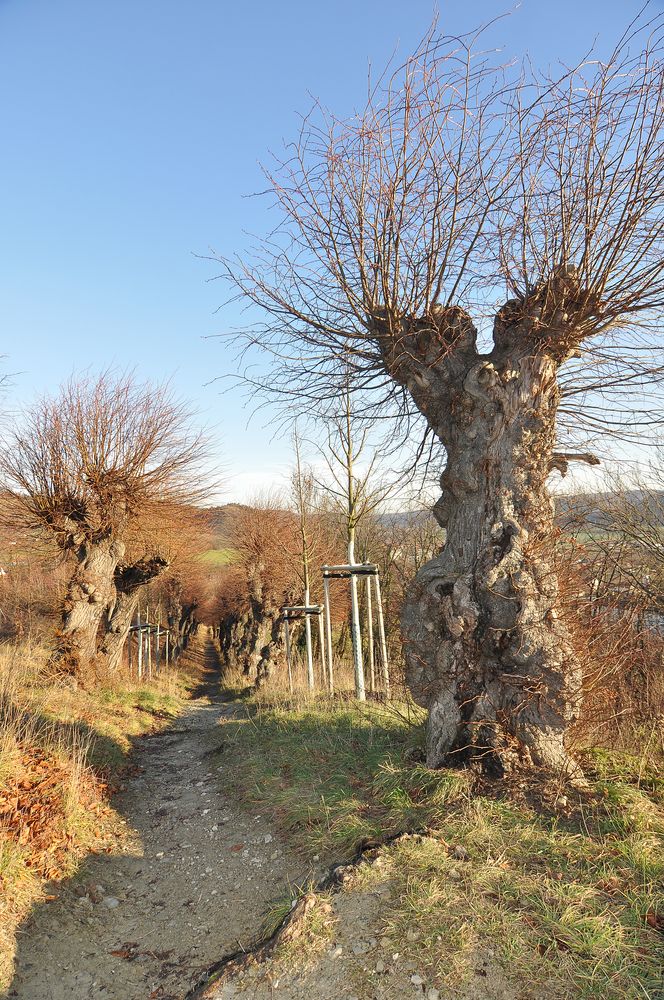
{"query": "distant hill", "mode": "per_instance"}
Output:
(577, 508)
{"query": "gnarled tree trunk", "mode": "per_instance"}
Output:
(273, 653)
(187, 624)
(89, 591)
(118, 615)
(233, 629)
(486, 652)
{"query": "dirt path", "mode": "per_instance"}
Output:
(197, 882)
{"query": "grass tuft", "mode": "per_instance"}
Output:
(566, 904)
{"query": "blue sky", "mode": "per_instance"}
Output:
(130, 134)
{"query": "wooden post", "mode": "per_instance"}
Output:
(321, 643)
(328, 630)
(148, 642)
(370, 639)
(129, 636)
(168, 635)
(307, 636)
(156, 642)
(288, 653)
(139, 634)
(381, 635)
(356, 632)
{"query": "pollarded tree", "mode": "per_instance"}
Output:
(265, 537)
(168, 541)
(87, 466)
(485, 244)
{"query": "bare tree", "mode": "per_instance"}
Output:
(303, 496)
(86, 466)
(264, 536)
(167, 541)
(355, 496)
(464, 184)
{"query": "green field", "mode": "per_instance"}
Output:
(218, 557)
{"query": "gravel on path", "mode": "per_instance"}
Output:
(196, 882)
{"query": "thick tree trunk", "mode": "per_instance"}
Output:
(187, 624)
(128, 580)
(233, 630)
(261, 630)
(273, 653)
(88, 592)
(486, 652)
(118, 619)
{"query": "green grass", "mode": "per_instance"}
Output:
(107, 719)
(622, 767)
(218, 557)
(561, 900)
(338, 776)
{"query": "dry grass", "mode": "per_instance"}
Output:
(562, 890)
(276, 692)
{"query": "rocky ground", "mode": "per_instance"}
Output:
(339, 946)
(195, 881)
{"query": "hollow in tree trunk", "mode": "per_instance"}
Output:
(119, 613)
(486, 651)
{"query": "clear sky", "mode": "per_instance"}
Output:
(131, 132)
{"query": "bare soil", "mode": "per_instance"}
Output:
(195, 880)
(338, 948)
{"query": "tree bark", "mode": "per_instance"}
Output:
(486, 652)
(117, 618)
(88, 592)
(273, 653)
(187, 624)
(118, 622)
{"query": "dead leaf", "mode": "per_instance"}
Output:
(655, 921)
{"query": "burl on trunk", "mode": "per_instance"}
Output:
(486, 652)
(88, 593)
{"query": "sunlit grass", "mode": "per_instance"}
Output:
(561, 903)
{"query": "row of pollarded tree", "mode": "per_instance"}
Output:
(480, 249)
(107, 470)
(276, 563)
(268, 572)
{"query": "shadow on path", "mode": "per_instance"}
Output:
(195, 880)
